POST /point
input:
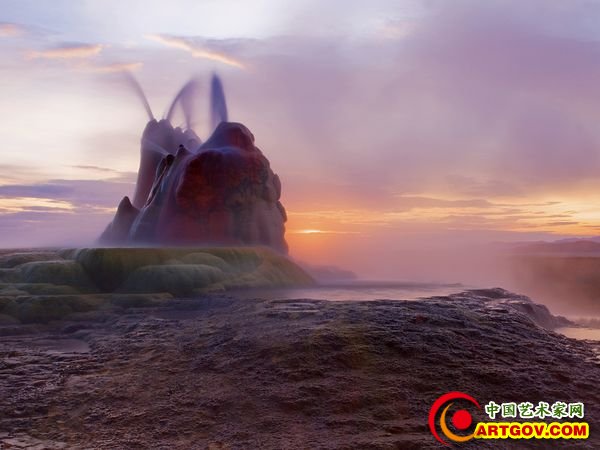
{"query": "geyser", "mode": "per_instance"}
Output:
(222, 191)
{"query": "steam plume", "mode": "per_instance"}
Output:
(139, 92)
(185, 98)
(218, 106)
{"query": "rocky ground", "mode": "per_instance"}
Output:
(221, 373)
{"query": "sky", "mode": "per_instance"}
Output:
(399, 128)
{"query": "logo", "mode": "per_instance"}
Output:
(503, 422)
(461, 418)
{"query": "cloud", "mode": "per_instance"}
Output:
(472, 186)
(95, 168)
(488, 99)
(417, 215)
(316, 231)
(15, 173)
(560, 223)
(66, 52)
(115, 175)
(396, 29)
(58, 212)
(51, 191)
(21, 204)
(409, 203)
(55, 227)
(79, 193)
(197, 48)
(84, 57)
(520, 100)
(11, 30)
(110, 68)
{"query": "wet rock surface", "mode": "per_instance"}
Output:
(216, 372)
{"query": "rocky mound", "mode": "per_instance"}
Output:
(222, 191)
(221, 373)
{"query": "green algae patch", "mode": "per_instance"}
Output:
(10, 275)
(110, 267)
(66, 273)
(47, 289)
(68, 281)
(206, 259)
(120, 269)
(10, 260)
(180, 279)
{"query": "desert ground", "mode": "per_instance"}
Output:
(216, 372)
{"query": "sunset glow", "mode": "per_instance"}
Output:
(399, 127)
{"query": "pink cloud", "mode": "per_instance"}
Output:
(11, 30)
(197, 49)
(67, 51)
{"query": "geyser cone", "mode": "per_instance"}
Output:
(220, 192)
